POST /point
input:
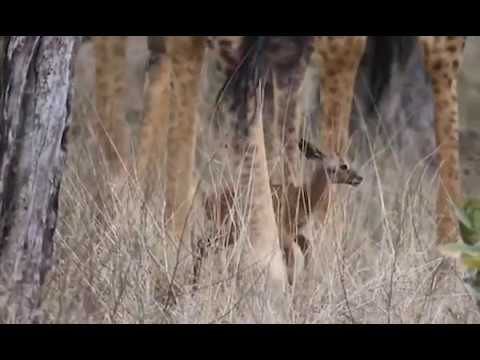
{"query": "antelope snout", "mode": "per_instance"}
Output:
(356, 180)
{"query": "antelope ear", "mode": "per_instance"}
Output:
(310, 151)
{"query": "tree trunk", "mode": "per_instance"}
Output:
(34, 120)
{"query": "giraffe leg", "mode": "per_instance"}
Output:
(110, 127)
(153, 133)
(250, 157)
(287, 57)
(186, 54)
(443, 56)
(339, 58)
(271, 133)
(289, 69)
(287, 93)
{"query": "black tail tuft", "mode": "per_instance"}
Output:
(259, 56)
(246, 78)
(383, 52)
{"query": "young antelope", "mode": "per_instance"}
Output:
(293, 206)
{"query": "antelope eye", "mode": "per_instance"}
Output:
(343, 167)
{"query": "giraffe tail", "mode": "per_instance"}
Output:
(259, 54)
(245, 79)
(383, 53)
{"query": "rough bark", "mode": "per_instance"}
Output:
(34, 121)
(3, 48)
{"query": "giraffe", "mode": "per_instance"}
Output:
(442, 57)
(110, 126)
(292, 204)
(279, 62)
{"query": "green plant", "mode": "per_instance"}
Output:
(468, 250)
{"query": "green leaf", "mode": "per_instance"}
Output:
(472, 202)
(469, 218)
(471, 262)
(459, 248)
(473, 214)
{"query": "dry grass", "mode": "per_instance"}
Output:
(375, 259)
(374, 262)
